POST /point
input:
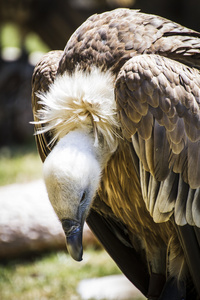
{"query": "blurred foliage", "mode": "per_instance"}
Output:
(11, 37)
(33, 43)
(54, 276)
(15, 85)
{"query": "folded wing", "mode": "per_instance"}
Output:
(158, 101)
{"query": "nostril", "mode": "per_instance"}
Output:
(83, 197)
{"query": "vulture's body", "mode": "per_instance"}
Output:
(118, 128)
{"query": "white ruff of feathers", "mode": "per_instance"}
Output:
(77, 101)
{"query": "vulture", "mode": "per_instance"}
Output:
(117, 125)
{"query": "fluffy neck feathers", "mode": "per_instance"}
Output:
(80, 100)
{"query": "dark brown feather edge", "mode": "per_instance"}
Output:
(44, 75)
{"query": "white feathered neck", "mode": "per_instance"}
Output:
(78, 100)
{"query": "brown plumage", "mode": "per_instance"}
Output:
(126, 88)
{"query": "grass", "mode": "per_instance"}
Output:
(19, 164)
(54, 276)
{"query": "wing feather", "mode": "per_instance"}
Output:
(152, 190)
(161, 152)
(181, 200)
(145, 128)
(160, 112)
(196, 207)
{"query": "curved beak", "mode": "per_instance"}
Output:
(73, 231)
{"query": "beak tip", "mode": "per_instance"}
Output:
(76, 251)
(73, 232)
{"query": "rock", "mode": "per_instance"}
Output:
(28, 222)
(115, 287)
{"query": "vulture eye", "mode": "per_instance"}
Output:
(83, 197)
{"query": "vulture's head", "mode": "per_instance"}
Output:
(72, 173)
(77, 111)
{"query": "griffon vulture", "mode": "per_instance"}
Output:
(117, 123)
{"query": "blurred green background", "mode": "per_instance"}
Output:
(27, 29)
